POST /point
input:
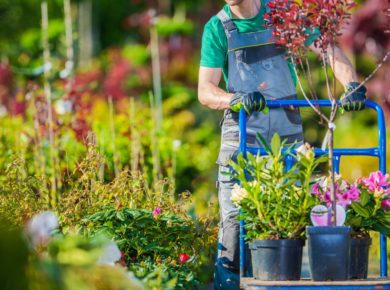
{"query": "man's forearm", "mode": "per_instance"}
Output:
(341, 66)
(213, 97)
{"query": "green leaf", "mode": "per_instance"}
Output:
(264, 142)
(360, 210)
(275, 144)
(364, 198)
(382, 229)
(120, 216)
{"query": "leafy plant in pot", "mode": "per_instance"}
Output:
(275, 204)
(367, 204)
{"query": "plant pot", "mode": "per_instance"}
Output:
(358, 263)
(276, 259)
(329, 249)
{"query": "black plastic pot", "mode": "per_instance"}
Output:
(276, 259)
(329, 249)
(358, 263)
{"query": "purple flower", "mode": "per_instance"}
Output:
(156, 212)
(386, 204)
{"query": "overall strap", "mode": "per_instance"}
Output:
(227, 23)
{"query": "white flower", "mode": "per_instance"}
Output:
(40, 227)
(176, 144)
(323, 182)
(63, 107)
(238, 194)
(302, 149)
(343, 185)
(3, 111)
(306, 150)
(110, 255)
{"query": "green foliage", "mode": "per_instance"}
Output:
(151, 243)
(167, 26)
(21, 195)
(67, 263)
(275, 202)
(70, 262)
(367, 215)
(165, 275)
(14, 253)
(138, 233)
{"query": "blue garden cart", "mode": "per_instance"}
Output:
(380, 152)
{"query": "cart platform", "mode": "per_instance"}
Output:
(307, 284)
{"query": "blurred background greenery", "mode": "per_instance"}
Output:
(122, 76)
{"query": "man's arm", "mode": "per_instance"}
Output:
(341, 66)
(209, 94)
(354, 98)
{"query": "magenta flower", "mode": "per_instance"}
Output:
(353, 193)
(386, 204)
(156, 212)
(376, 180)
(343, 199)
(316, 189)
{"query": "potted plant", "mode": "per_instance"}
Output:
(367, 204)
(275, 204)
(329, 245)
(371, 212)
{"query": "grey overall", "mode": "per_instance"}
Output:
(252, 60)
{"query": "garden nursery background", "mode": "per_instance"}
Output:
(126, 151)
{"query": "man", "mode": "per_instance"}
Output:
(236, 44)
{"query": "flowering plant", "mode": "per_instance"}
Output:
(346, 193)
(275, 201)
(367, 201)
(372, 210)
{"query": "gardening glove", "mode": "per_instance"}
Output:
(355, 101)
(250, 102)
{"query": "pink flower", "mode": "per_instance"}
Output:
(316, 189)
(183, 257)
(327, 197)
(156, 212)
(353, 193)
(386, 204)
(376, 180)
(343, 199)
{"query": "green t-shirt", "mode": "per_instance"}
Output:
(214, 41)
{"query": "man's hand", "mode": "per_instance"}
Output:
(355, 101)
(250, 102)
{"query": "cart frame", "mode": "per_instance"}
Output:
(379, 152)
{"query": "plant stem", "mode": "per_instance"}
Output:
(156, 71)
(47, 90)
(333, 187)
(113, 136)
(154, 141)
(384, 59)
(69, 46)
(304, 94)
